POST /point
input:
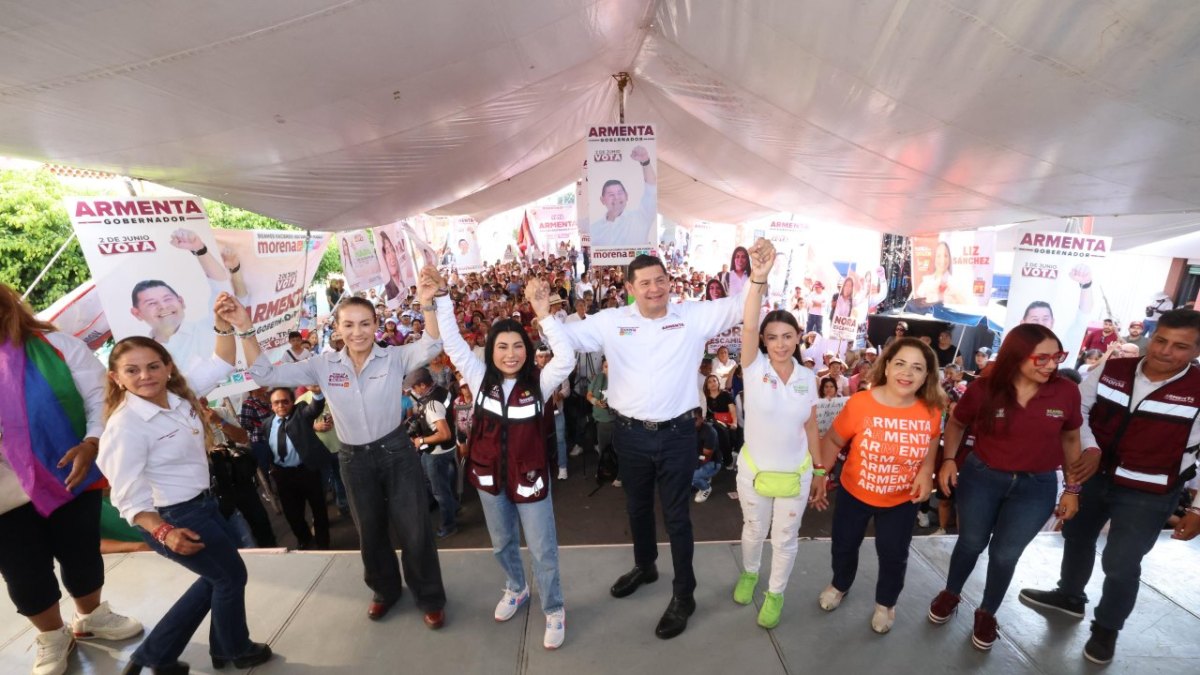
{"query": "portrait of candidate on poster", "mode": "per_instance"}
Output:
(622, 191)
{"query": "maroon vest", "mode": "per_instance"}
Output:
(1144, 447)
(508, 448)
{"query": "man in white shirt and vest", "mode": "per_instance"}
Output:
(1140, 444)
(653, 350)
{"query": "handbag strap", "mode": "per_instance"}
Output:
(803, 468)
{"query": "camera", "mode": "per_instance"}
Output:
(417, 426)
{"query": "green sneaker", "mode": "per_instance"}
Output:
(768, 616)
(743, 592)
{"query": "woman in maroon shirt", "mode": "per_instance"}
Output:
(1025, 419)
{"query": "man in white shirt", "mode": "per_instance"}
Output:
(628, 227)
(654, 349)
(297, 351)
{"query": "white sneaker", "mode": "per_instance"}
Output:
(510, 602)
(562, 473)
(53, 650)
(702, 496)
(556, 629)
(830, 598)
(883, 618)
(105, 624)
(922, 519)
(940, 530)
(617, 483)
(576, 451)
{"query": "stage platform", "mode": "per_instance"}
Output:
(311, 608)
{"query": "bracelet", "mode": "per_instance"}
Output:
(236, 268)
(249, 333)
(218, 331)
(441, 292)
(161, 532)
(949, 459)
(755, 281)
(203, 250)
(645, 163)
(429, 308)
(1086, 286)
(1072, 488)
(820, 473)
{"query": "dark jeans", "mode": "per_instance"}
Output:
(299, 487)
(666, 458)
(331, 475)
(1001, 512)
(221, 588)
(1135, 521)
(440, 470)
(893, 534)
(29, 545)
(386, 489)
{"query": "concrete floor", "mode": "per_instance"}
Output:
(311, 606)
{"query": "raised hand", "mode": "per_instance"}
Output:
(762, 257)
(187, 240)
(537, 292)
(639, 154)
(1081, 274)
(429, 283)
(229, 312)
(230, 258)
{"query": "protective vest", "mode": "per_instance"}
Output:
(1143, 447)
(508, 448)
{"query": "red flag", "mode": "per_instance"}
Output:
(525, 236)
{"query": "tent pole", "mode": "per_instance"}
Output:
(623, 81)
(50, 264)
(304, 295)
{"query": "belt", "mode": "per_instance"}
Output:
(378, 444)
(688, 418)
(204, 494)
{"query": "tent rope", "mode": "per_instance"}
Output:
(54, 259)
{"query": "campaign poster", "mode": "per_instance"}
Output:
(554, 227)
(712, 246)
(790, 256)
(622, 192)
(392, 246)
(731, 339)
(157, 267)
(1056, 282)
(464, 244)
(423, 252)
(953, 268)
(360, 262)
(827, 411)
(79, 313)
(274, 270)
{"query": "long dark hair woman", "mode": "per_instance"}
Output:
(739, 271)
(154, 452)
(1025, 420)
(50, 501)
(508, 454)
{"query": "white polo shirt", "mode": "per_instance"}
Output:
(652, 363)
(155, 457)
(776, 412)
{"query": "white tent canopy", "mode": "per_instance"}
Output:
(911, 116)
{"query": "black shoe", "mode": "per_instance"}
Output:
(177, 668)
(674, 620)
(629, 583)
(259, 654)
(1056, 600)
(1101, 646)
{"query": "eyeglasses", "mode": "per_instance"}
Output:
(1043, 359)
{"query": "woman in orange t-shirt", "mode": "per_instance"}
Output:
(892, 430)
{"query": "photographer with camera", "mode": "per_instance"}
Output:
(431, 436)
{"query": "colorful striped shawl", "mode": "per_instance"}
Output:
(43, 417)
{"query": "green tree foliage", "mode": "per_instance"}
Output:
(34, 224)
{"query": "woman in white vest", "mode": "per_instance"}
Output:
(509, 458)
(775, 468)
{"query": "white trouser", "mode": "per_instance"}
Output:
(781, 516)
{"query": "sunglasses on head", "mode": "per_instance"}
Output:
(1043, 359)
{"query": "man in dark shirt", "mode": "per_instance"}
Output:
(945, 349)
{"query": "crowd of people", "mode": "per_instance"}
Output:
(509, 371)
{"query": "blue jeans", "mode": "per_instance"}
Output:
(1135, 520)
(702, 478)
(1001, 512)
(666, 459)
(814, 323)
(386, 489)
(893, 534)
(440, 470)
(560, 433)
(505, 520)
(221, 588)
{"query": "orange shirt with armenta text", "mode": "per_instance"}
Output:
(887, 447)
